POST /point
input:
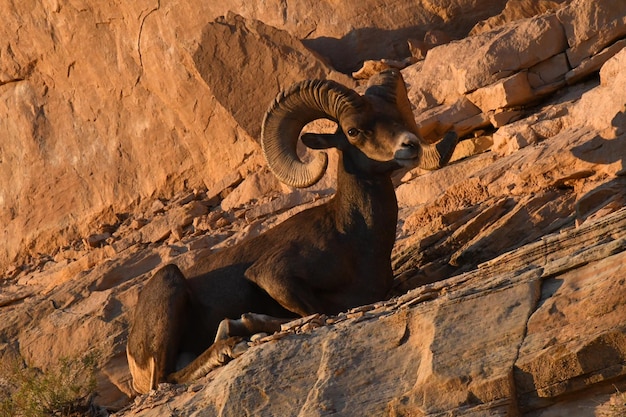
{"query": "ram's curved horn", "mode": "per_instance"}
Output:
(289, 113)
(436, 155)
(389, 85)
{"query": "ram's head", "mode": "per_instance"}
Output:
(379, 124)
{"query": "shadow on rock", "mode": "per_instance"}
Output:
(609, 196)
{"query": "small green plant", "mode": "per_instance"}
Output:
(64, 390)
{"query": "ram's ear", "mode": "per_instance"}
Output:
(321, 140)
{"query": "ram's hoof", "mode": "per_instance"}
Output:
(225, 351)
(239, 349)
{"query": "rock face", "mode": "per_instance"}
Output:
(117, 104)
(130, 141)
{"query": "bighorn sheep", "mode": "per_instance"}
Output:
(326, 259)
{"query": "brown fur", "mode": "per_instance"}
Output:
(326, 259)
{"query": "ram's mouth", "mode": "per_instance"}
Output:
(408, 162)
(408, 156)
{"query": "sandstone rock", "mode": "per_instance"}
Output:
(516, 135)
(603, 111)
(516, 10)
(137, 224)
(454, 69)
(590, 26)
(369, 29)
(427, 188)
(95, 155)
(204, 242)
(616, 404)
(436, 37)
(371, 67)
(470, 147)
(253, 51)
(513, 137)
(598, 199)
(508, 92)
(432, 38)
(473, 124)
(493, 311)
(96, 239)
(161, 226)
(252, 188)
(557, 356)
(435, 122)
(548, 128)
(469, 185)
(418, 49)
(118, 146)
(594, 63)
(501, 117)
(279, 204)
(225, 186)
(549, 71)
(379, 29)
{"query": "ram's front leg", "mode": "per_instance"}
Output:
(248, 325)
(218, 354)
(229, 344)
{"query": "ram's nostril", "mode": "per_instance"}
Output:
(407, 141)
(408, 145)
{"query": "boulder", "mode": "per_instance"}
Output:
(254, 51)
(593, 64)
(508, 92)
(591, 25)
(435, 122)
(549, 71)
(461, 67)
(253, 188)
(603, 107)
(516, 10)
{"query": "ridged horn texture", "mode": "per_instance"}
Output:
(390, 86)
(436, 155)
(289, 113)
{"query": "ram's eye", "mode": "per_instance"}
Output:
(353, 132)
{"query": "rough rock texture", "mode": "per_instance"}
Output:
(129, 141)
(516, 10)
(370, 29)
(117, 103)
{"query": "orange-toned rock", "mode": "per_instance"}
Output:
(549, 71)
(508, 92)
(137, 122)
(460, 67)
(591, 25)
(516, 10)
(80, 137)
